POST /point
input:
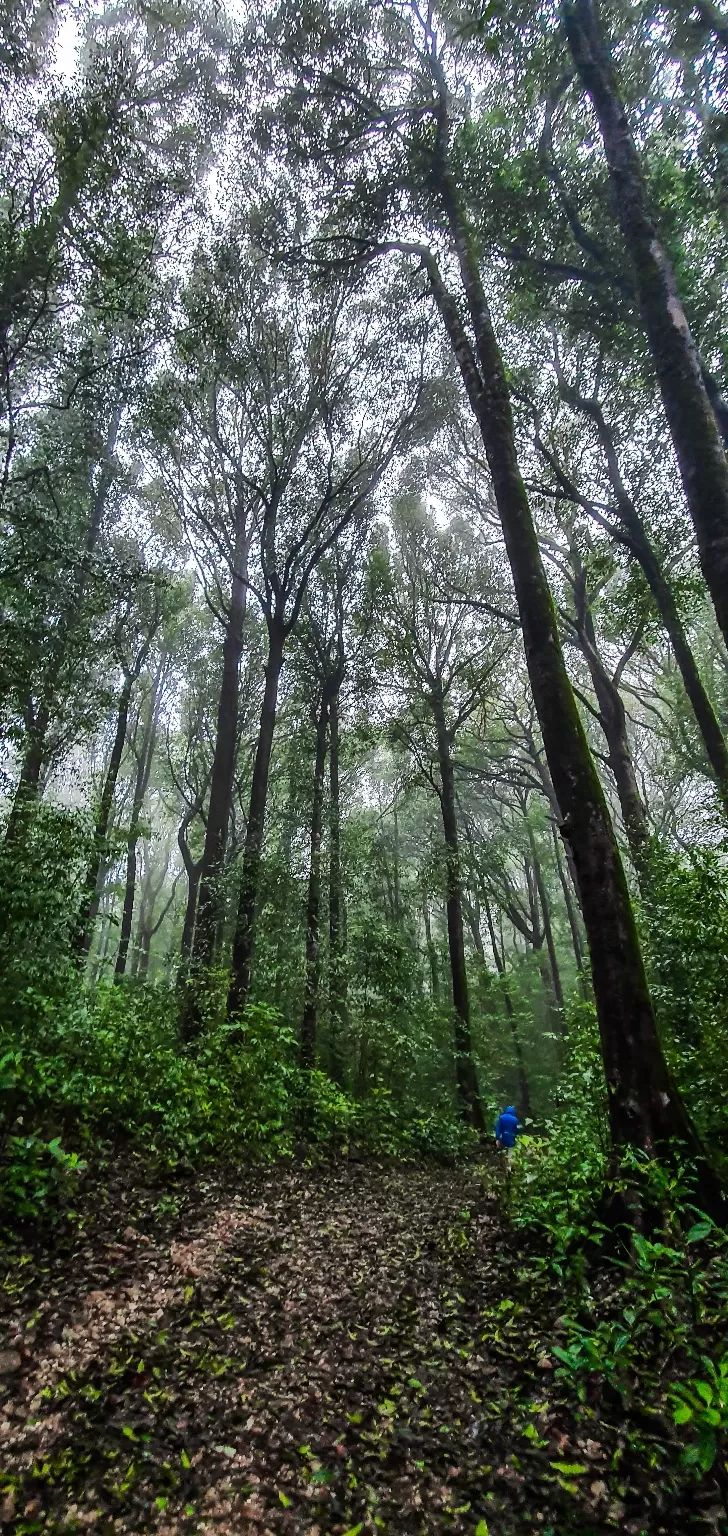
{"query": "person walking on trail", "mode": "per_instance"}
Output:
(507, 1127)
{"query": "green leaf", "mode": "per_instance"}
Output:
(699, 1231)
(184, 1458)
(569, 1468)
(682, 1414)
(161, 1503)
(285, 1501)
(355, 1529)
(481, 1528)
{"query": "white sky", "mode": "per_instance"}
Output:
(68, 38)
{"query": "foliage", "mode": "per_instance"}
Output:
(39, 887)
(638, 1302)
(108, 1067)
(686, 919)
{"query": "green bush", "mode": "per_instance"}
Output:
(685, 916)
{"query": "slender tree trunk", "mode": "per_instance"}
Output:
(146, 926)
(713, 739)
(223, 766)
(466, 1074)
(698, 444)
(570, 908)
(637, 541)
(142, 920)
(472, 912)
(190, 1016)
(309, 1027)
(645, 1109)
(431, 951)
(128, 909)
(140, 788)
(188, 927)
(536, 936)
(525, 1092)
(558, 990)
(396, 894)
(550, 795)
(337, 928)
(250, 879)
(614, 724)
(91, 897)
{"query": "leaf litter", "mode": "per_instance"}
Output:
(330, 1348)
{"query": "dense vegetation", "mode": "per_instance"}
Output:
(364, 612)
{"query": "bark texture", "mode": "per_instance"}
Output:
(245, 924)
(89, 905)
(645, 1109)
(312, 985)
(223, 766)
(698, 443)
(144, 765)
(634, 536)
(337, 908)
(465, 1069)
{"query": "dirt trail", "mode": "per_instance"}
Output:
(316, 1354)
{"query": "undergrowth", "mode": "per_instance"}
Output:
(110, 1067)
(635, 1317)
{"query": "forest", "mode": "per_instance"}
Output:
(363, 767)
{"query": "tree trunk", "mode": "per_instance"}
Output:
(698, 444)
(142, 919)
(707, 721)
(34, 758)
(558, 990)
(431, 951)
(146, 926)
(188, 927)
(309, 1027)
(645, 1109)
(472, 913)
(250, 879)
(637, 541)
(91, 897)
(223, 765)
(27, 789)
(466, 1074)
(570, 908)
(525, 1092)
(337, 927)
(190, 1014)
(144, 765)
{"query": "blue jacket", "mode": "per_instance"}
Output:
(507, 1127)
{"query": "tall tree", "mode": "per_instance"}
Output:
(443, 658)
(407, 108)
(327, 445)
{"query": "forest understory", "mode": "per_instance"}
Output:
(330, 1347)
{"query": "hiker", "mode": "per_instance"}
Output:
(507, 1127)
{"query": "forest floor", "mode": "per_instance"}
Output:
(301, 1349)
